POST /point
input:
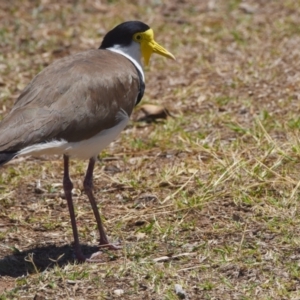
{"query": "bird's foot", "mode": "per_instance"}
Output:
(96, 256)
(92, 258)
(110, 246)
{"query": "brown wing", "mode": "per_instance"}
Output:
(73, 99)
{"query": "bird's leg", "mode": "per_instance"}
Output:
(68, 186)
(88, 187)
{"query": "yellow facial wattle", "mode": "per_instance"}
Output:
(149, 46)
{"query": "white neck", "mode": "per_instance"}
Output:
(132, 52)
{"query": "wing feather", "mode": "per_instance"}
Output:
(72, 99)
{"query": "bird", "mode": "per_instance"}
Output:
(78, 105)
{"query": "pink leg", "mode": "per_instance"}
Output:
(68, 186)
(88, 187)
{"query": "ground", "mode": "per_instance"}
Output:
(207, 198)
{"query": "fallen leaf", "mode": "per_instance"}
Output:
(150, 113)
(167, 258)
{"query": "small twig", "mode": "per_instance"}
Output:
(294, 191)
(242, 239)
(225, 173)
(190, 268)
(29, 258)
(56, 260)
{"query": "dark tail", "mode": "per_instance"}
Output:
(6, 156)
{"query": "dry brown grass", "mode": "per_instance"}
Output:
(208, 199)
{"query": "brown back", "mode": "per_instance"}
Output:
(73, 99)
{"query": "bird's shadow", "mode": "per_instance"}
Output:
(38, 259)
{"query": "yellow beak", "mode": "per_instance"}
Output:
(149, 46)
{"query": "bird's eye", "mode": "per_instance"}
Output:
(138, 37)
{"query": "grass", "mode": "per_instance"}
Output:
(208, 199)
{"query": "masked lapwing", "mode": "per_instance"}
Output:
(78, 105)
